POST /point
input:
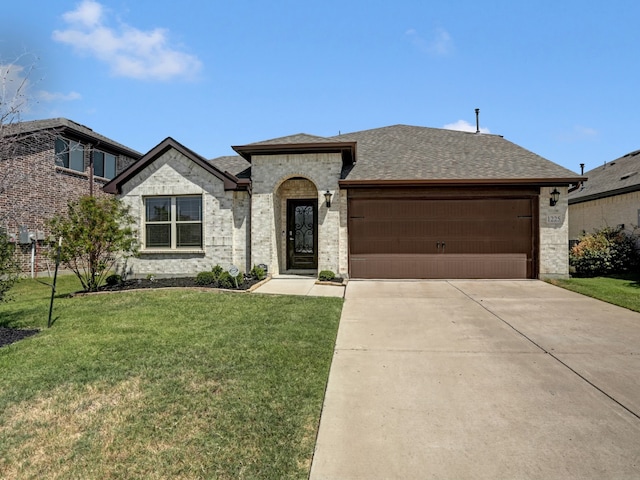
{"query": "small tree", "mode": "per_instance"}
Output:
(8, 266)
(95, 233)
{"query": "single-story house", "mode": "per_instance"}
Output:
(610, 197)
(393, 202)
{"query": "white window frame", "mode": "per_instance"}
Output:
(174, 222)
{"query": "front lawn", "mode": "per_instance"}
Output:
(163, 384)
(620, 290)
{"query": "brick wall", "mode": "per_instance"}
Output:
(604, 212)
(33, 189)
(225, 218)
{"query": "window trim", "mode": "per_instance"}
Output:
(173, 222)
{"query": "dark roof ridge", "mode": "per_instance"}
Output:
(404, 125)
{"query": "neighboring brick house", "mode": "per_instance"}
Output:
(392, 202)
(609, 198)
(44, 165)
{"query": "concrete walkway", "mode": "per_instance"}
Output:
(299, 285)
(482, 380)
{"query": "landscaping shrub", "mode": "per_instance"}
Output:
(113, 279)
(206, 278)
(604, 252)
(326, 275)
(225, 280)
(217, 271)
(258, 273)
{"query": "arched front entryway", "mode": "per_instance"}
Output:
(296, 219)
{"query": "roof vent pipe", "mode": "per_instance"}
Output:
(477, 120)
(582, 169)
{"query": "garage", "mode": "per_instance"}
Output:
(443, 233)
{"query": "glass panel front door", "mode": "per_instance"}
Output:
(302, 225)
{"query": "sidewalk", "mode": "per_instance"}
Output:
(299, 285)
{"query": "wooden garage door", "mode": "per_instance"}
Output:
(441, 237)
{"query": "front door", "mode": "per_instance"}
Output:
(302, 238)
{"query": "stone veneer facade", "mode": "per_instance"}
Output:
(225, 217)
(554, 227)
(246, 229)
(277, 178)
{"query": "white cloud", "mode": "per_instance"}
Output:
(14, 84)
(578, 133)
(45, 96)
(464, 126)
(17, 94)
(129, 52)
(440, 44)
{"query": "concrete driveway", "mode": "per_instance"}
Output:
(480, 379)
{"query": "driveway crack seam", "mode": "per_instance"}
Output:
(548, 352)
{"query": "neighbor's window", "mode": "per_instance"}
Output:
(104, 164)
(173, 222)
(70, 154)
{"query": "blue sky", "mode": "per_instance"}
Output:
(559, 78)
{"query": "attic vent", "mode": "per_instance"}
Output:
(627, 175)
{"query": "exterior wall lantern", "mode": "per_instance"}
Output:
(555, 195)
(327, 197)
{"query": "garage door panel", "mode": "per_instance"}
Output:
(480, 236)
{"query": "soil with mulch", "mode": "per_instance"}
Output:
(171, 282)
(12, 335)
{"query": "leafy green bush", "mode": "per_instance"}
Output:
(113, 279)
(604, 252)
(225, 280)
(8, 266)
(217, 271)
(326, 276)
(205, 278)
(96, 233)
(258, 273)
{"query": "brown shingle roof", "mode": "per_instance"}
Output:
(66, 125)
(234, 164)
(297, 138)
(405, 153)
(618, 176)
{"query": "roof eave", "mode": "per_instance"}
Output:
(538, 182)
(247, 151)
(608, 193)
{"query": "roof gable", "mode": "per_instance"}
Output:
(230, 181)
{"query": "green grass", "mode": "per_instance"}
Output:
(620, 290)
(163, 384)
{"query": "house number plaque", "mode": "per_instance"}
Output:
(554, 219)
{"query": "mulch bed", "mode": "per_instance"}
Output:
(12, 335)
(170, 282)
